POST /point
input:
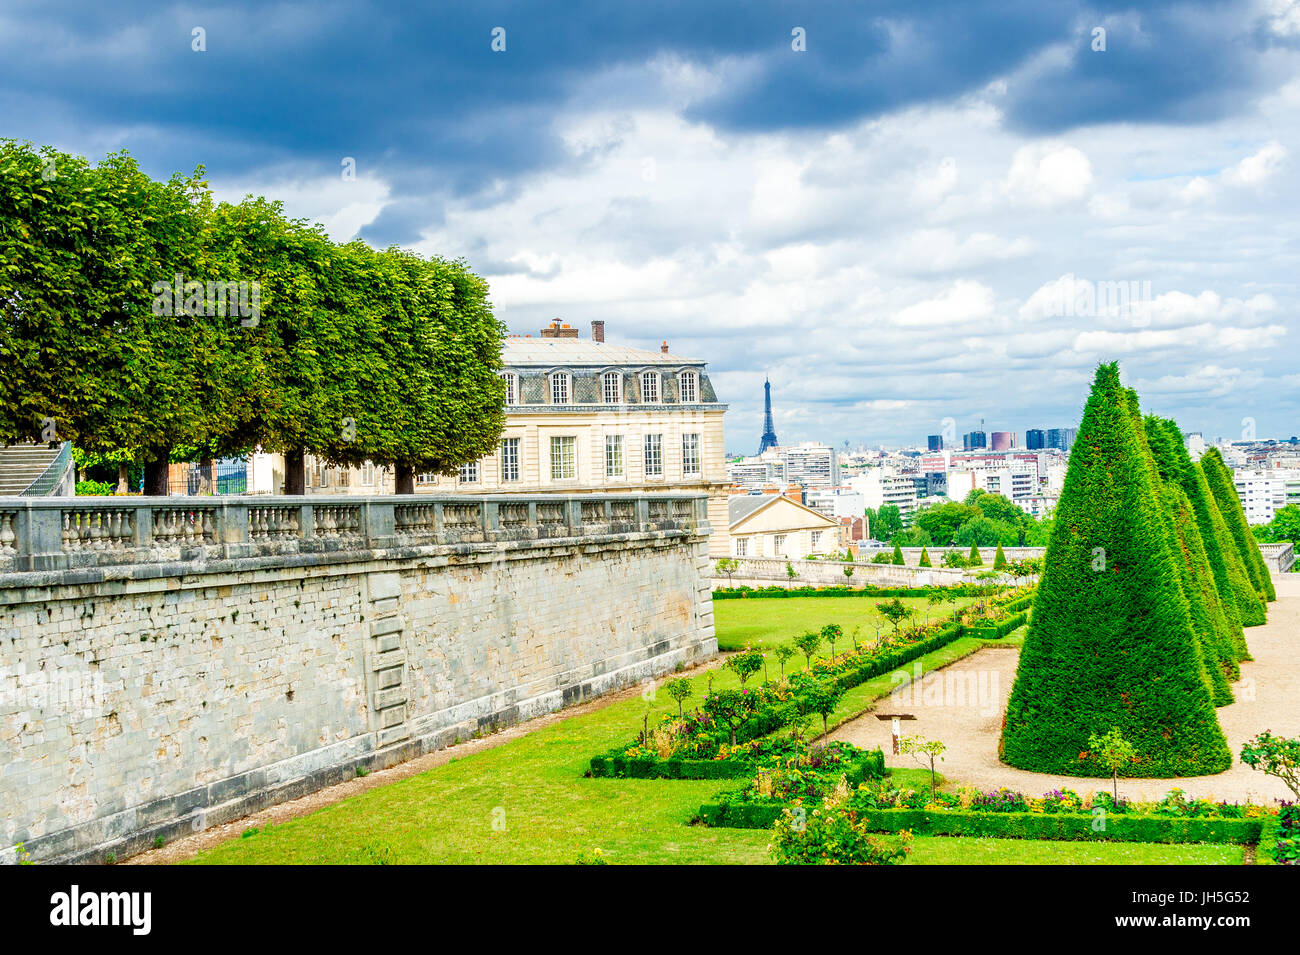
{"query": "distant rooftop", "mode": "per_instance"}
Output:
(560, 345)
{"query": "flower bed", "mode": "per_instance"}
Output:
(1279, 842)
(1004, 814)
(999, 629)
(698, 744)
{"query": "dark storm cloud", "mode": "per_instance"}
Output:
(417, 96)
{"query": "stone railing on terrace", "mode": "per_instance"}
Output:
(765, 571)
(44, 534)
(1279, 557)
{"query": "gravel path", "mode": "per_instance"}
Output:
(963, 705)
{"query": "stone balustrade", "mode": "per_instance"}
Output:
(55, 534)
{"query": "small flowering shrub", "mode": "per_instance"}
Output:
(806, 774)
(1287, 851)
(832, 835)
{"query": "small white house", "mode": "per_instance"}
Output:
(769, 525)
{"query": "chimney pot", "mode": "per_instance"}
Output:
(597, 331)
(664, 348)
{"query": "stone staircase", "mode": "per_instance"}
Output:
(23, 465)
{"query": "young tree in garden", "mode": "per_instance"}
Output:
(1114, 752)
(1110, 641)
(731, 708)
(831, 633)
(808, 644)
(1225, 494)
(818, 697)
(973, 559)
(783, 653)
(933, 599)
(898, 555)
(1275, 756)
(745, 664)
(999, 559)
(894, 611)
(728, 566)
(926, 752)
(848, 572)
(679, 690)
(925, 558)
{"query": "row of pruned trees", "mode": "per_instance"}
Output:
(143, 320)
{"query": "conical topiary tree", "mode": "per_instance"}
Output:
(1229, 577)
(1218, 636)
(999, 559)
(1234, 515)
(1110, 642)
(925, 558)
(974, 558)
(898, 555)
(1175, 536)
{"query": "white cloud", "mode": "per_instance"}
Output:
(1048, 174)
(1258, 167)
(965, 301)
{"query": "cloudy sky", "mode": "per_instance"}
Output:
(904, 221)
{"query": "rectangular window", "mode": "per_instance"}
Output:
(425, 477)
(612, 388)
(564, 458)
(344, 474)
(368, 474)
(469, 473)
(690, 454)
(654, 455)
(688, 390)
(512, 387)
(650, 388)
(614, 455)
(742, 546)
(559, 389)
(778, 545)
(509, 460)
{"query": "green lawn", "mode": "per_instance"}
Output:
(527, 802)
(765, 622)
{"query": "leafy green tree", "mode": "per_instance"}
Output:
(1111, 642)
(926, 752)
(942, 521)
(894, 611)
(808, 644)
(831, 633)
(1285, 526)
(1114, 752)
(783, 653)
(679, 690)
(884, 523)
(728, 566)
(1275, 756)
(818, 697)
(745, 664)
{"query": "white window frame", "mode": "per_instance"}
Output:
(694, 389)
(561, 388)
(559, 462)
(469, 473)
(649, 395)
(611, 395)
(368, 474)
(742, 546)
(512, 387)
(778, 545)
(426, 477)
(510, 470)
(615, 456)
(652, 449)
(691, 455)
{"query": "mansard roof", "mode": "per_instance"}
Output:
(554, 352)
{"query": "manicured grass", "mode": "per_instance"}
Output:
(527, 802)
(765, 623)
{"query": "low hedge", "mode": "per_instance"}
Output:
(1020, 603)
(739, 593)
(1072, 827)
(1000, 629)
(1266, 854)
(616, 766)
(888, 662)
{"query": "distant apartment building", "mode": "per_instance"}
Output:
(1035, 439)
(1265, 492)
(879, 487)
(1003, 440)
(1032, 480)
(807, 465)
(934, 442)
(836, 501)
(974, 441)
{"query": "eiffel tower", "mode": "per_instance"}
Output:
(769, 431)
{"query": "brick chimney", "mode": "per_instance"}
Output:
(597, 331)
(664, 348)
(556, 330)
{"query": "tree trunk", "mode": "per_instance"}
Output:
(122, 487)
(207, 477)
(156, 471)
(295, 471)
(404, 478)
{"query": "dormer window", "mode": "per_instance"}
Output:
(688, 387)
(512, 387)
(650, 388)
(559, 388)
(611, 387)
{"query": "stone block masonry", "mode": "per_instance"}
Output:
(164, 668)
